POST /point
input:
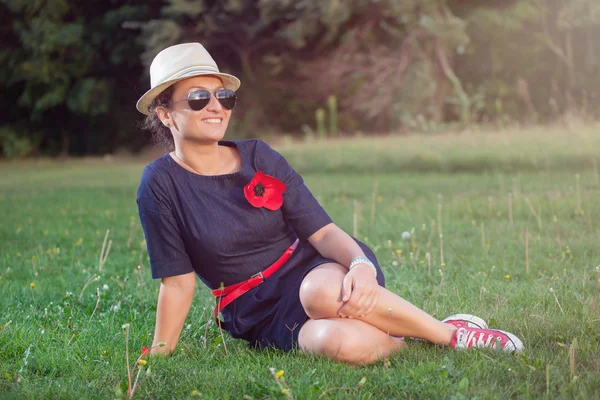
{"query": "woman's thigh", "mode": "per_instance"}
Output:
(347, 340)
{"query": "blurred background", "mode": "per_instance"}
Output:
(73, 70)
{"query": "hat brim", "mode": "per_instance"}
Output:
(229, 82)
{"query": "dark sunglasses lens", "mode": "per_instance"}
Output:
(198, 99)
(227, 98)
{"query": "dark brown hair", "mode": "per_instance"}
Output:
(161, 135)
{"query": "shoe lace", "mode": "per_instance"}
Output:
(468, 338)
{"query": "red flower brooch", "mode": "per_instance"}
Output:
(265, 191)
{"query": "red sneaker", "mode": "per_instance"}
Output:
(466, 321)
(467, 338)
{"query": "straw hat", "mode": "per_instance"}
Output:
(179, 62)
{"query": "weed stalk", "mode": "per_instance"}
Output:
(428, 258)
(442, 263)
(219, 322)
(579, 210)
(555, 221)
(593, 310)
(355, 219)
(92, 278)
(373, 202)
(439, 218)
(360, 383)
(527, 251)
(283, 386)
(129, 394)
(97, 304)
(510, 209)
(572, 358)
(557, 302)
(206, 331)
(538, 219)
(131, 229)
(104, 256)
(430, 234)
(483, 237)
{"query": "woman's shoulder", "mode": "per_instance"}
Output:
(155, 175)
(157, 167)
(257, 145)
(259, 152)
(262, 149)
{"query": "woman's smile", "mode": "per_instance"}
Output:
(213, 121)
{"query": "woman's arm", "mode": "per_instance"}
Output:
(174, 301)
(309, 220)
(360, 290)
(332, 242)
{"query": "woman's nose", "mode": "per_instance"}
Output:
(213, 104)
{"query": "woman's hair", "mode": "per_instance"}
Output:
(161, 135)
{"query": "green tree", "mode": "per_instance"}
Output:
(66, 61)
(74, 69)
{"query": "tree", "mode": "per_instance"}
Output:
(74, 69)
(65, 62)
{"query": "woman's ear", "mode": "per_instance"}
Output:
(164, 116)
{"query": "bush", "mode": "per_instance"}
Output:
(14, 145)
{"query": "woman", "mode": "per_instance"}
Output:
(235, 214)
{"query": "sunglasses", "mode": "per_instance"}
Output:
(198, 99)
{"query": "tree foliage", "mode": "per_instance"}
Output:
(74, 69)
(66, 61)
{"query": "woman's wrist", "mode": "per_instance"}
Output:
(362, 260)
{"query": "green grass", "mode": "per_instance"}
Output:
(55, 214)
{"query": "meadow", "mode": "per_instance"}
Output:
(503, 224)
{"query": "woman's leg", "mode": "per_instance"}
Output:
(320, 295)
(343, 339)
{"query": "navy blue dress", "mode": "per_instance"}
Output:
(204, 224)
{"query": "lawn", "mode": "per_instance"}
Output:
(520, 220)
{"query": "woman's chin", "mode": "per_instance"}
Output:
(215, 132)
(207, 135)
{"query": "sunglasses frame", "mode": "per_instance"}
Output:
(224, 103)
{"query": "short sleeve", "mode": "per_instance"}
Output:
(300, 208)
(166, 248)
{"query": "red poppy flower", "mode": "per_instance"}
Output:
(145, 351)
(265, 191)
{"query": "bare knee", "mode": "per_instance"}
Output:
(320, 338)
(320, 291)
(326, 338)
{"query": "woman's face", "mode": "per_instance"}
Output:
(207, 125)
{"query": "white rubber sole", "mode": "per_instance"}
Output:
(472, 321)
(517, 344)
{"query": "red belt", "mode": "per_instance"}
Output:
(234, 291)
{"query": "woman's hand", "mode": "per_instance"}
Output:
(360, 292)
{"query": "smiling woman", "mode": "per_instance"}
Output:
(236, 215)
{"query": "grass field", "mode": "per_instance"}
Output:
(520, 220)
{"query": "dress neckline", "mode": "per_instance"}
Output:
(228, 143)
